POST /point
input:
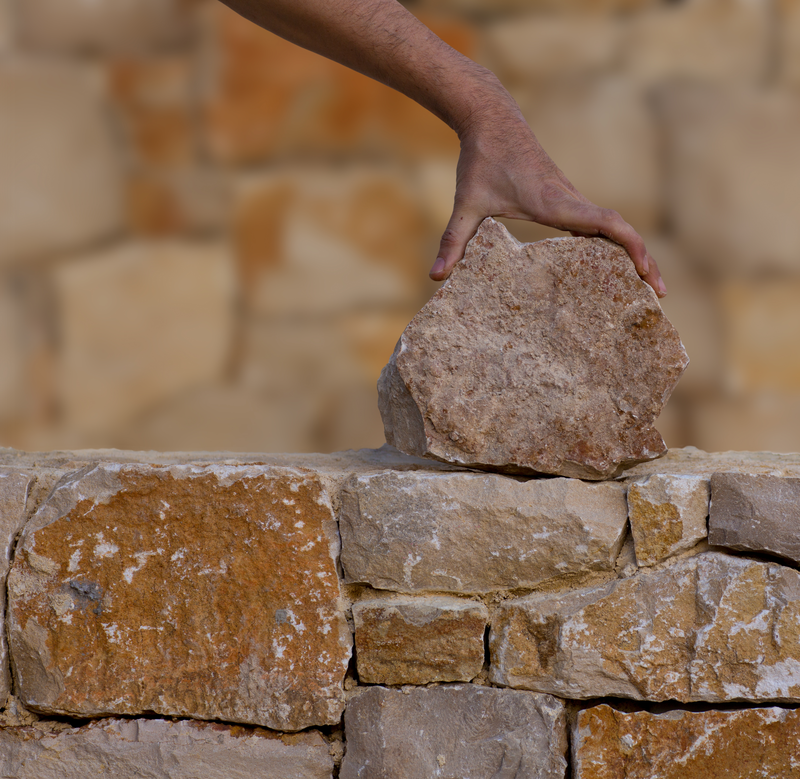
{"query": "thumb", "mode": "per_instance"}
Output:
(460, 229)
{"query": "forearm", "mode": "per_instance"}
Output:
(382, 40)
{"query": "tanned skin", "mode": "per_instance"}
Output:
(502, 169)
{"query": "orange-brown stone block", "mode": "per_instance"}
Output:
(419, 640)
(746, 744)
(207, 592)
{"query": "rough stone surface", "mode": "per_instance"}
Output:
(208, 592)
(667, 515)
(746, 744)
(551, 357)
(755, 513)
(419, 640)
(709, 628)
(69, 181)
(14, 486)
(159, 749)
(476, 532)
(459, 731)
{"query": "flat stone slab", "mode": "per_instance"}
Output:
(745, 744)
(551, 357)
(159, 749)
(419, 640)
(756, 513)
(190, 591)
(458, 731)
(709, 628)
(473, 533)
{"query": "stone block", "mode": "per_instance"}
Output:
(207, 592)
(317, 241)
(266, 98)
(667, 515)
(463, 730)
(746, 744)
(718, 41)
(140, 323)
(760, 319)
(555, 358)
(709, 628)
(14, 486)
(106, 26)
(755, 513)
(472, 533)
(717, 208)
(419, 640)
(160, 749)
(60, 189)
(603, 136)
(549, 47)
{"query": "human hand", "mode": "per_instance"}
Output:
(503, 171)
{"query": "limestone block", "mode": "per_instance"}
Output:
(106, 26)
(760, 319)
(746, 744)
(667, 515)
(538, 47)
(789, 23)
(140, 323)
(755, 513)
(266, 98)
(555, 358)
(189, 591)
(726, 41)
(709, 628)
(472, 533)
(14, 485)
(315, 241)
(604, 137)
(419, 640)
(715, 207)
(160, 749)
(59, 189)
(460, 730)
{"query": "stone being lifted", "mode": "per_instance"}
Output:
(551, 357)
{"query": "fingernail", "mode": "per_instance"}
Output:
(438, 266)
(662, 288)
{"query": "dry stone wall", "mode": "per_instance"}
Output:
(370, 614)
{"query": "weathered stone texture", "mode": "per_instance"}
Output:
(746, 744)
(419, 640)
(476, 533)
(58, 190)
(756, 514)
(709, 628)
(459, 731)
(555, 358)
(14, 486)
(200, 591)
(159, 749)
(667, 515)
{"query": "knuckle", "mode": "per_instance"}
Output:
(449, 237)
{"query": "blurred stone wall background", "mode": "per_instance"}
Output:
(211, 239)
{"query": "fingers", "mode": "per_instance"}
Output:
(460, 229)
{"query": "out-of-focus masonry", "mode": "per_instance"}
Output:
(211, 239)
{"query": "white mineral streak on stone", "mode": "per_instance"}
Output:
(459, 532)
(159, 749)
(696, 631)
(551, 357)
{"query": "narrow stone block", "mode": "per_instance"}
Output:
(667, 515)
(709, 628)
(189, 591)
(459, 731)
(469, 533)
(755, 513)
(746, 744)
(419, 640)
